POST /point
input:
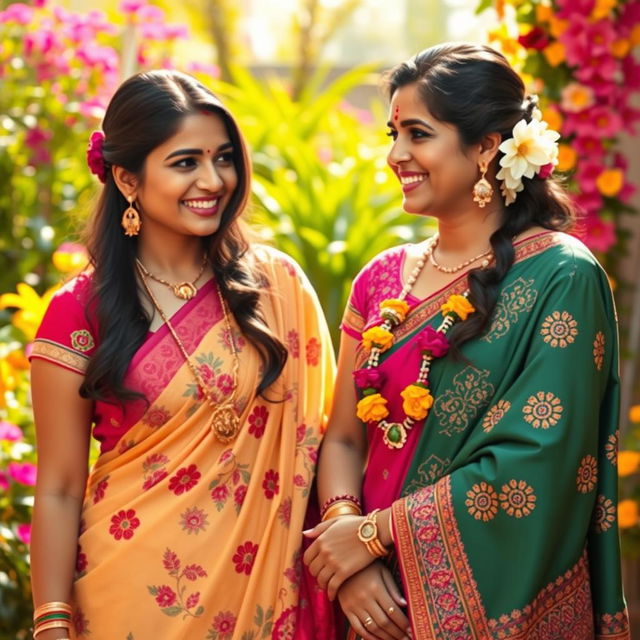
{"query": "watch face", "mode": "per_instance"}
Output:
(368, 530)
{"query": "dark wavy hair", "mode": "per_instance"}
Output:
(473, 88)
(146, 110)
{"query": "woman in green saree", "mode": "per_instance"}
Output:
(480, 437)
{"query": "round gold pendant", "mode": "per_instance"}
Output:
(225, 424)
(185, 290)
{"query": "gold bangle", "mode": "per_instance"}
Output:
(341, 510)
(54, 624)
(48, 607)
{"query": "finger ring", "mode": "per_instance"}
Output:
(368, 620)
(391, 610)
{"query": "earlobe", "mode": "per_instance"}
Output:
(489, 146)
(126, 181)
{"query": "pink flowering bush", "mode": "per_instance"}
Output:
(578, 56)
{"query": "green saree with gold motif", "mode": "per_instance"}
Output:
(504, 497)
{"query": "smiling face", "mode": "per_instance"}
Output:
(189, 179)
(436, 174)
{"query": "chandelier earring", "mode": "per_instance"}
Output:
(131, 222)
(482, 190)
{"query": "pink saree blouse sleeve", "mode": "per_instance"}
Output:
(65, 336)
(381, 278)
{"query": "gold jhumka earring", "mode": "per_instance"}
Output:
(131, 222)
(482, 190)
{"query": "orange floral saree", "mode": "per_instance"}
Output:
(181, 535)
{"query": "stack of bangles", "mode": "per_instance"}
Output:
(51, 615)
(345, 505)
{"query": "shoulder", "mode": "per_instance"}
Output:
(386, 264)
(275, 264)
(73, 294)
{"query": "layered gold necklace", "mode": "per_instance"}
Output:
(183, 290)
(224, 421)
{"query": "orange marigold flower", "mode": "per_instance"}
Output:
(628, 462)
(634, 413)
(555, 53)
(610, 181)
(376, 336)
(628, 515)
(417, 401)
(372, 408)
(458, 305)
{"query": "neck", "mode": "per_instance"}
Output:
(467, 234)
(173, 258)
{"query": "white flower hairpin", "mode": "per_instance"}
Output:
(533, 149)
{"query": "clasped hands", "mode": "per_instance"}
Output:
(368, 595)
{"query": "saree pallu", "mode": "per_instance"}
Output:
(183, 536)
(504, 498)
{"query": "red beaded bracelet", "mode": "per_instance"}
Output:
(335, 499)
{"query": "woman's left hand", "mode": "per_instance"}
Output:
(336, 553)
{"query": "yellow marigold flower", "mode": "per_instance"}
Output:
(634, 413)
(628, 515)
(372, 408)
(18, 360)
(459, 305)
(417, 401)
(30, 305)
(555, 53)
(552, 117)
(602, 8)
(628, 462)
(620, 48)
(397, 305)
(610, 181)
(377, 336)
(557, 26)
(567, 157)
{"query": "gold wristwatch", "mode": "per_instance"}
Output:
(368, 535)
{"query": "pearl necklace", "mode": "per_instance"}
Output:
(488, 254)
(433, 343)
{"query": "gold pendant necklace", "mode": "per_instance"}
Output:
(488, 255)
(224, 422)
(183, 290)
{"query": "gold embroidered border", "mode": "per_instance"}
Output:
(59, 354)
(613, 626)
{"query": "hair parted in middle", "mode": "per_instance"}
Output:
(473, 88)
(145, 111)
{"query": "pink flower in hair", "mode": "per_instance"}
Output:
(545, 170)
(95, 159)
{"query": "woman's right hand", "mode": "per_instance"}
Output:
(372, 603)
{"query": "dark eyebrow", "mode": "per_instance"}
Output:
(411, 122)
(197, 152)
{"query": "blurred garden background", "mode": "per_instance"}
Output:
(301, 76)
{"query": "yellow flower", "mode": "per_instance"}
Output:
(544, 13)
(417, 401)
(634, 413)
(610, 181)
(397, 305)
(372, 408)
(620, 48)
(627, 514)
(602, 8)
(458, 305)
(30, 305)
(576, 97)
(628, 462)
(377, 336)
(567, 157)
(555, 53)
(18, 360)
(70, 257)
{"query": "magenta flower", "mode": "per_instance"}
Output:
(588, 202)
(599, 72)
(369, 378)
(9, 431)
(574, 8)
(589, 149)
(433, 341)
(23, 532)
(584, 38)
(166, 596)
(545, 170)
(597, 122)
(4, 481)
(23, 472)
(17, 12)
(95, 159)
(599, 235)
(586, 176)
(245, 556)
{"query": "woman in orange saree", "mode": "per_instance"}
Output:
(190, 525)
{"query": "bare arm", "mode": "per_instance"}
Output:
(63, 422)
(344, 446)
